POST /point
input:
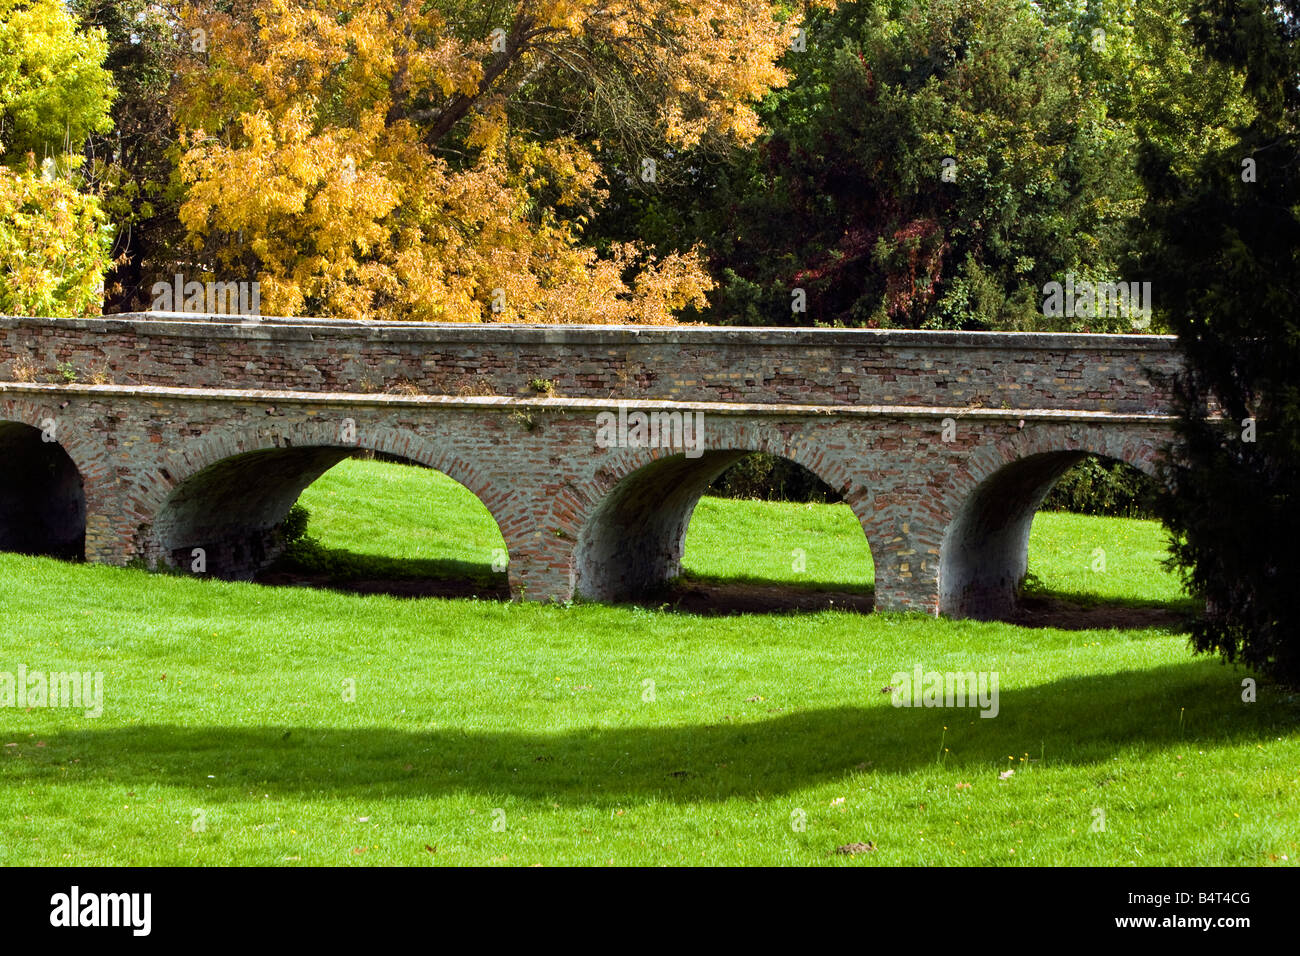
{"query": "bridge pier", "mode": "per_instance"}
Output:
(907, 574)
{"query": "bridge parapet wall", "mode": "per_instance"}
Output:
(833, 367)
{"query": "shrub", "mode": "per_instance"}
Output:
(770, 478)
(1110, 488)
(294, 525)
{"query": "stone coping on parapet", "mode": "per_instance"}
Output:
(207, 326)
(383, 399)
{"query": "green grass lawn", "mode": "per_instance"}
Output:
(483, 732)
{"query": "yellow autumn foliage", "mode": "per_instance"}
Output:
(360, 159)
(54, 242)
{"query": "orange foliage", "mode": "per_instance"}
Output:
(360, 161)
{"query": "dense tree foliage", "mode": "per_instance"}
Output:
(935, 163)
(951, 167)
(422, 161)
(1223, 249)
(893, 162)
(54, 93)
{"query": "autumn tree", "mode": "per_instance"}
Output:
(437, 161)
(133, 164)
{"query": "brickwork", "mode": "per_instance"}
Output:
(943, 444)
(759, 366)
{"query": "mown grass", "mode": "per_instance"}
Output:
(482, 732)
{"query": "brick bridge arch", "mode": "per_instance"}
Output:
(625, 525)
(987, 509)
(46, 487)
(227, 491)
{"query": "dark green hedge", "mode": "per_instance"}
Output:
(1097, 487)
(1092, 487)
(770, 478)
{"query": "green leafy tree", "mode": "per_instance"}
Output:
(54, 91)
(54, 242)
(1039, 107)
(1223, 251)
(932, 164)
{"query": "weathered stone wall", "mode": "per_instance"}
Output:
(1117, 373)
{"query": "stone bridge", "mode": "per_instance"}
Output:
(146, 436)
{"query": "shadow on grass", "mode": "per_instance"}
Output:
(310, 564)
(711, 595)
(1081, 611)
(1080, 722)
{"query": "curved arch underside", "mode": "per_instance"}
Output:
(42, 496)
(632, 542)
(233, 508)
(985, 553)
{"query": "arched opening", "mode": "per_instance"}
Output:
(697, 534)
(419, 533)
(42, 497)
(365, 522)
(985, 558)
(225, 520)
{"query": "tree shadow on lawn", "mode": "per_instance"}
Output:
(1079, 721)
